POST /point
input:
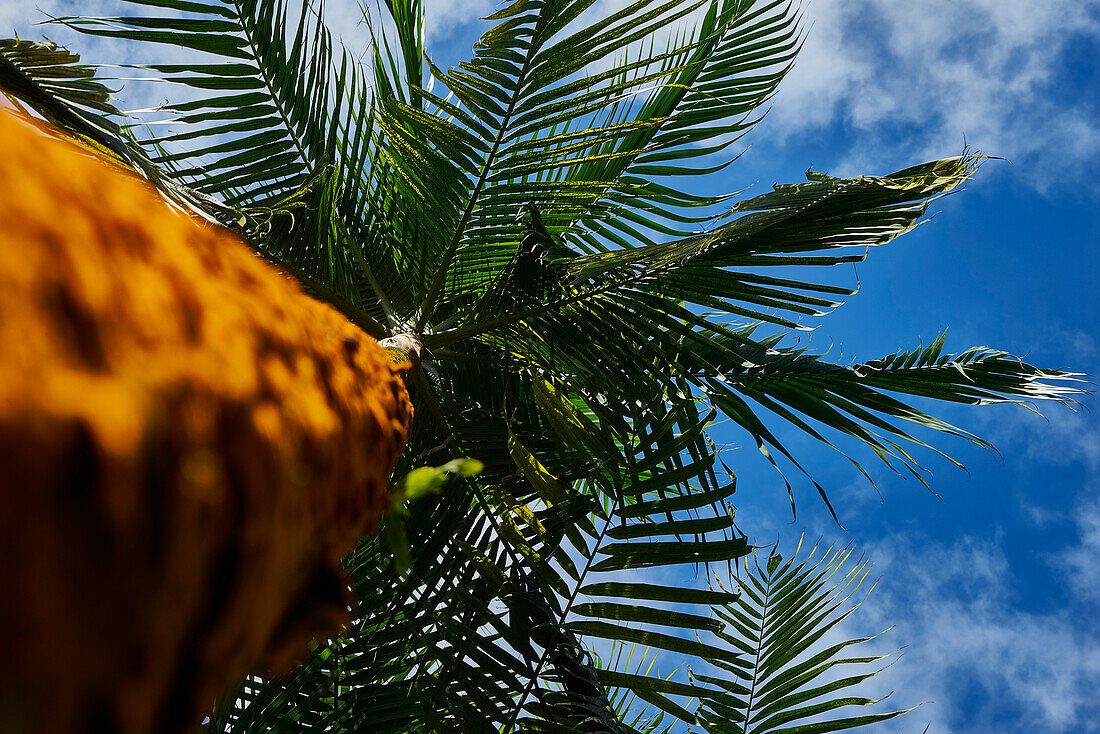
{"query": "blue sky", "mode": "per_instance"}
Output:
(994, 586)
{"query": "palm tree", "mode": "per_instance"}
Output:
(519, 227)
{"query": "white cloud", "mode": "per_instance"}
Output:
(1058, 436)
(444, 18)
(1079, 564)
(19, 17)
(914, 78)
(980, 660)
(1065, 437)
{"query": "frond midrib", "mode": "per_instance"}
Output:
(762, 617)
(428, 306)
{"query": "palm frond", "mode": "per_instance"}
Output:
(272, 86)
(859, 400)
(824, 222)
(786, 678)
(552, 125)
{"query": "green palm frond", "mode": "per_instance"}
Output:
(555, 130)
(786, 679)
(864, 401)
(521, 663)
(824, 222)
(564, 550)
(264, 118)
(634, 661)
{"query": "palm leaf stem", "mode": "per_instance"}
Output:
(466, 332)
(756, 656)
(271, 90)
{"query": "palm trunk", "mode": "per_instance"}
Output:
(188, 447)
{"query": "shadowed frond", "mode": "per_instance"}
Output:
(51, 82)
(263, 113)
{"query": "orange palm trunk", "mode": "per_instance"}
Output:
(188, 446)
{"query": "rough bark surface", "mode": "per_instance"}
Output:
(188, 447)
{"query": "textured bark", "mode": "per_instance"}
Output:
(188, 447)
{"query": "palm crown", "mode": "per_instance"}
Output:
(521, 222)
